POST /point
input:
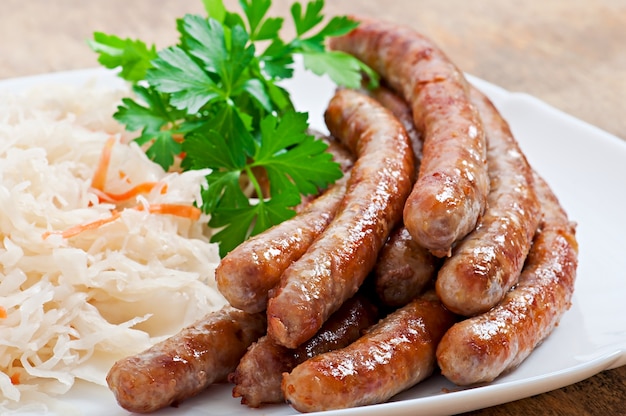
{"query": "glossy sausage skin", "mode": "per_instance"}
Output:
(481, 348)
(399, 107)
(336, 264)
(185, 364)
(452, 186)
(259, 374)
(247, 273)
(395, 354)
(487, 263)
(404, 269)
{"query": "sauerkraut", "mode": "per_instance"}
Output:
(71, 306)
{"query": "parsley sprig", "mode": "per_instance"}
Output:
(214, 101)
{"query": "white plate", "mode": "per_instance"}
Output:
(587, 169)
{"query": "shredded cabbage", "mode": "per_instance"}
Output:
(74, 305)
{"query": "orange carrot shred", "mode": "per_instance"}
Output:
(144, 187)
(100, 175)
(186, 211)
(73, 231)
(15, 378)
(3, 312)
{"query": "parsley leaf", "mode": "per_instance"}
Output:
(214, 100)
(176, 73)
(340, 67)
(133, 56)
(310, 18)
(294, 161)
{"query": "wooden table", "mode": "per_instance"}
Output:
(569, 53)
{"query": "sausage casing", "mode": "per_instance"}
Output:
(186, 363)
(488, 261)
(404, 269)
(336, 264)
(395, 354)
(452, 185)
(259, 374)
(481, 348)
(248, 272)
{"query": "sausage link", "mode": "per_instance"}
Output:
(452, 185)
(481, 348)
(404, 269)
(399, 107)
(487, 263)
(395, 354)
(335, 265)
(186, 363)
(259, 374)
(246, 274)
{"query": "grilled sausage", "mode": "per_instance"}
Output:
(404, 269)
(452, 185)
(481, 348)
(259, 374)
(186, 363)
(399, 107)
(334, 267)
(395, 354)
(248, 272)
(487, 263)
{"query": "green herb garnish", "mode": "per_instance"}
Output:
(215, 100)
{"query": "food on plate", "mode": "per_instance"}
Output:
(488, 261)
(399, 107)
(403, 269)
(258, 376)
(186, 363)
(248, 272)
(452, 185)
(421, 186)
(216, 98)
(481, 348)
(336, 264)
(81, 273)
(393, 355)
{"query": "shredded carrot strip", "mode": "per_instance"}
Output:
(15, 378)
(3, 313)
(144, 187)
(73, 231)
(186, 211)
(100, 175)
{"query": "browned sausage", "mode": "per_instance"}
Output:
(392, 356)
(481, 348)
(487, 263)
(259, 374)
(334, 267)
(247, 273)
(404, 269)
(185, 364)
(399, 107)
(451, 190)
